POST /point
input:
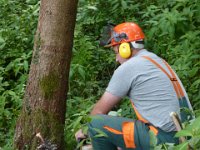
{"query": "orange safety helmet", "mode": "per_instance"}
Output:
(125, 32)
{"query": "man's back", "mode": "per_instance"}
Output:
(150, 90)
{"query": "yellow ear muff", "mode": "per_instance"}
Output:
(125, 50)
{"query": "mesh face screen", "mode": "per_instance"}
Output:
(106, 35)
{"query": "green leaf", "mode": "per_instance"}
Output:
(193, 72)
(76, 123)
(184, 133)
(195, 124)
(81, 71)
(124, 4)
(26, 65)
(31, 2)
(85, 130)
(2, 102)
(12, 93)
(92, 7)
(183, 146)
(2, 43)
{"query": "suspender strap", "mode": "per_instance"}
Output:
(139, 116)
(177, 87)
(173, 74)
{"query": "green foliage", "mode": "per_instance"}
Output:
(17, 27)
(193, 132)
(77, 118)
(172, 30)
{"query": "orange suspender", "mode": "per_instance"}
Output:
(138, 114)
(174, 76)
(177, 87)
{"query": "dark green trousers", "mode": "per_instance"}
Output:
(108, 133)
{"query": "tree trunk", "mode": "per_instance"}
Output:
(44, 103)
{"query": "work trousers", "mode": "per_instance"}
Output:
(109, 132)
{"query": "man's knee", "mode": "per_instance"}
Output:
(96, 123)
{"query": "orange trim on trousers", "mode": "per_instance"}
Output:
(112, 130)
(127, 133)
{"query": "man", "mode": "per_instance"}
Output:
(154, 91)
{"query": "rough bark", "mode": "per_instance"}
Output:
(44, 103)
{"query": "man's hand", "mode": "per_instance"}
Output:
(80, 135)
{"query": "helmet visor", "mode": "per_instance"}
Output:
(106, 35)
(109, 37)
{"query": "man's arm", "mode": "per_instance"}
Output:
(105, 104)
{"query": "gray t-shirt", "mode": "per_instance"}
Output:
(149, 89)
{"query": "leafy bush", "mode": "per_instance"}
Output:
(17, 27)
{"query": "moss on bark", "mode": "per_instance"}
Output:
(49, 84)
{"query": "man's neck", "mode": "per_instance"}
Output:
(135, 51)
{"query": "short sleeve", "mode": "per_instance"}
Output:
(121, 81)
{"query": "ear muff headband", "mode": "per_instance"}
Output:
(125, 50)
